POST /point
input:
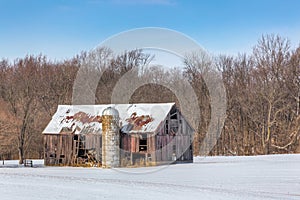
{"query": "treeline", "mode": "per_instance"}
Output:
(263, 100)
(262, 89)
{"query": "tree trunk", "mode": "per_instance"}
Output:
(21, 155)
(21, 145)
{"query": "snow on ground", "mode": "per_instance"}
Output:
(260, 177)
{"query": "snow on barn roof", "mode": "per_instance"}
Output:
(81, 119)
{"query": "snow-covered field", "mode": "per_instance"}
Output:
(260, 177)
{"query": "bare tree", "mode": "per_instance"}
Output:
(20, 91)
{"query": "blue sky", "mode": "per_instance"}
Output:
(62, 28)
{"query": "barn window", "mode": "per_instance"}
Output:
(75, 137)
(143, 145)
(174, 115)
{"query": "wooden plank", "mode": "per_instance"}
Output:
(169, 123)
(69, 154)
(132, 144)
(137, 146)
(149, 144)
(170, 147)
(46, 161)
(128, 143)
(186, 146)
(164, 152)
(178, 144)
(153, 154)
(73, 161)
(158, 149)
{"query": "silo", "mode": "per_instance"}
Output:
(110, 138)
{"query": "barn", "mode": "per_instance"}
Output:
(117, 135)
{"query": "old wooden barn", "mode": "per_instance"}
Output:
(118, 135)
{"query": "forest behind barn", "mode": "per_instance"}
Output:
(262, 89)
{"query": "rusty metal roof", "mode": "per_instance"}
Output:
(85, 119)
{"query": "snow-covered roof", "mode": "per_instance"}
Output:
(142, 118)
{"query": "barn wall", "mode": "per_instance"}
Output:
(58, 149)
(171, 143)
(130, 149)
(174, 140)
(93, 145)
(69, 149)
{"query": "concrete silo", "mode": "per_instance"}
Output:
(110, 138)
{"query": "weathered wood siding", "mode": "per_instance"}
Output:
(174, 140)
(66, 148)
(93, 145)
(171, 143)
(58, 149)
